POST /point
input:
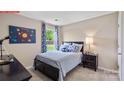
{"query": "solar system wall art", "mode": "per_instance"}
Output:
(20, 35)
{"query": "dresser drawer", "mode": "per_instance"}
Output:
(89, 57)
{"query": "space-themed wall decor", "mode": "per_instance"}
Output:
(19, 35)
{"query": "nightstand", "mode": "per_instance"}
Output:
(90, 61)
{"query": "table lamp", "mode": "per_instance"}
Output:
(1, 49)
(89, 42)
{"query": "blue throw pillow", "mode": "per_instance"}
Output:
(71, 48)
(64, 48)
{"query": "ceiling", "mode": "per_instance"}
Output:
(63, 17)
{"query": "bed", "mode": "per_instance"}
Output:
(56, 64)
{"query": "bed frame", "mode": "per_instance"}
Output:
(49, 70)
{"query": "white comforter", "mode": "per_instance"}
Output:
(64, 61)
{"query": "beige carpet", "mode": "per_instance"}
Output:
(78, 74)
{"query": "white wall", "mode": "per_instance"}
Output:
(104, 31)
(25, 53)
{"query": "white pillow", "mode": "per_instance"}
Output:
(67, 44)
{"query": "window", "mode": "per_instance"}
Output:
(50, 39)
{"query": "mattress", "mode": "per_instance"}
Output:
(64, 61)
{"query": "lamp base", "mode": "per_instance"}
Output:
(88, 52)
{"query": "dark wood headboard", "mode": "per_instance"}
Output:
(77, 42)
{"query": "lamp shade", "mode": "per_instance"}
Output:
(89, 40)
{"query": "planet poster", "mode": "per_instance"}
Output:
(19, 35)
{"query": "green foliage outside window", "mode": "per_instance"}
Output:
(50, 38)
(50, 35)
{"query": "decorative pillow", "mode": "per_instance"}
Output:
(70, 48)
(73, 48)
(76, 48)
(64, 48)
(78, 45)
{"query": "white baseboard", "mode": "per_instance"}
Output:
(29, 67)
(108, 70)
